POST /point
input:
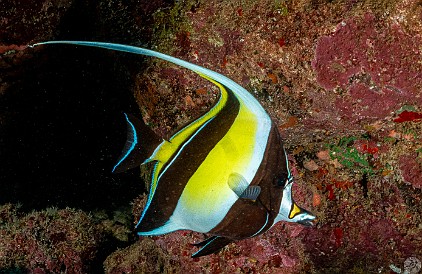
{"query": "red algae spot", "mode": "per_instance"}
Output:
(240, 11)
(275, 261)
(342, 184)
(330, 190)
(295, 230)
(260, 64)
(368, 147)
(224, 62)
(322, 172)
(189, 102)
(371, 150)
(201, 91)
(291, 122)
(281, 42)
(273, 78)
(316, 199)
(338, 234)
(406, 116)
(338, 185)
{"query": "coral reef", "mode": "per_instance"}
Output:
(411, 168)
(342, 79)
(372, 65)
(50, 241)
(142, 257)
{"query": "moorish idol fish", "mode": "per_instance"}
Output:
(225, 174)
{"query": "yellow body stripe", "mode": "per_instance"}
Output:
(167, 148)
(207, 192)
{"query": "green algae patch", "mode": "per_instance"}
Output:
(350, 157)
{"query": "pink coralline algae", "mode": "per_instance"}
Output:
(361, 242)
(50, 241)
(374, 62)
(411, 168)
(270, 252)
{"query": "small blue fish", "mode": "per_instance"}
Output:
(225, 174)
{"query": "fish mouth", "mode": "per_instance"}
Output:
(309, 222)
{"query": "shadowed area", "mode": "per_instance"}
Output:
(62, 124)
(64, 129)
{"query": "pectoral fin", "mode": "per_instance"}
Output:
(243, 190)
(211, 245)
(237, 183)
(251, 193)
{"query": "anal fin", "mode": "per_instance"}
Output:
(211, 245)
(206, 241)
(140, 144)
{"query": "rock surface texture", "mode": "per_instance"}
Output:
(342, 80)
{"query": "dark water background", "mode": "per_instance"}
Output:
(63, 125)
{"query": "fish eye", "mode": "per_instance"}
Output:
(279, 181)
(282, 181)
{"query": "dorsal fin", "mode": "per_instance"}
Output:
(140, 144)
(239, 91)
(243, 190)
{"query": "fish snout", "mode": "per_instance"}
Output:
(306, 218)
(309, 222)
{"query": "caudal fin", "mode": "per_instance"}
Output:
(140, 144)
